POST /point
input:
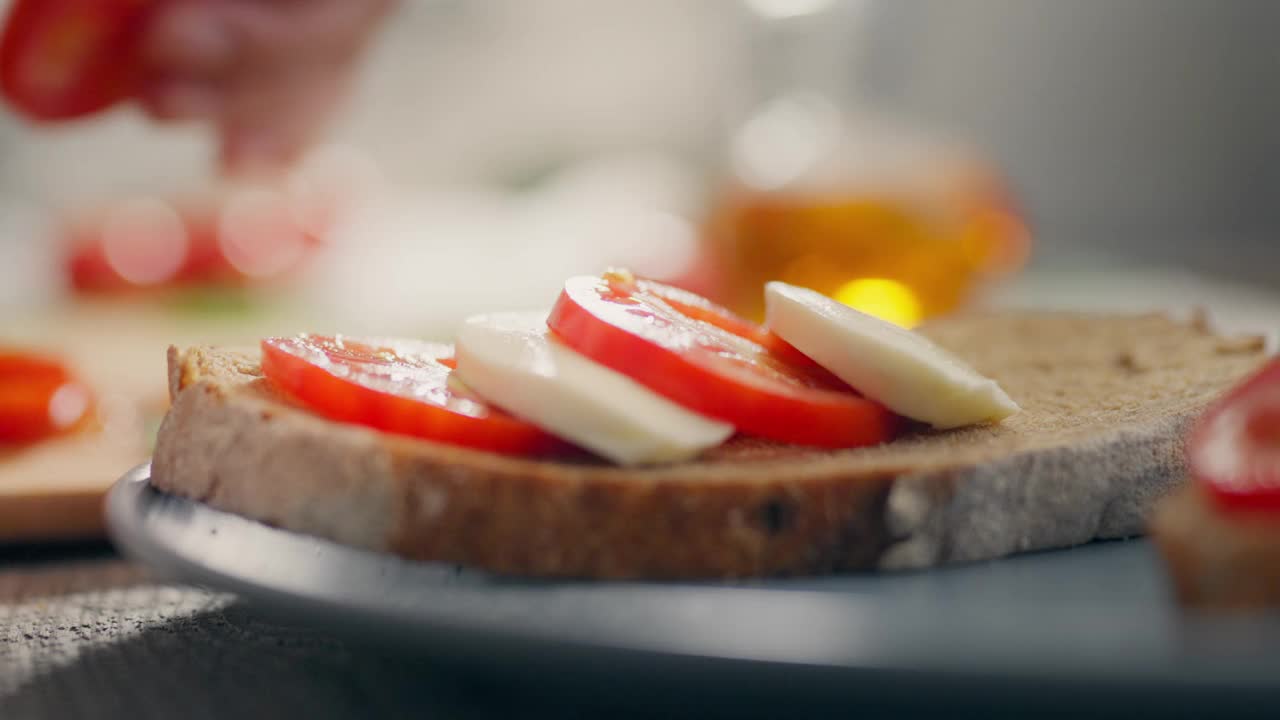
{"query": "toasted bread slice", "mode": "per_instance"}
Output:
(1105, 402)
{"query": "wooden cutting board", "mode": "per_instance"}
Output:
(54, 490)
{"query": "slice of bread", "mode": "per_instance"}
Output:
(1218, 559)
(1105, 401)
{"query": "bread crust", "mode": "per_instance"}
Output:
(1105, 402)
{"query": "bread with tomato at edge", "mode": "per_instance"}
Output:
(1218, 559)
(1220, 533)
(1105, 402)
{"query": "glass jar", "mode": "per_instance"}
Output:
(860, 205)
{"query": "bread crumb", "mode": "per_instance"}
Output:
(776, 516)
(1239, 344)
(1128, 362)
(433, 502)
(1200, 320)
(908, 509)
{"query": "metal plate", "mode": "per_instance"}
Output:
(1082, 628)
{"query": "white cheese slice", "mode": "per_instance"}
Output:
(903, 370)
(513, 361)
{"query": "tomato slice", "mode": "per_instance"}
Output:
(399, 386)
(204, 255)
(709, 360)
(64, 59)
(698, 307)
(1235, 448)
(39, 398)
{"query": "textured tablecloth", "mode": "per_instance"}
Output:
(84, 634)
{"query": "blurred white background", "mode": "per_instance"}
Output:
(1147, 130)
(616, 103)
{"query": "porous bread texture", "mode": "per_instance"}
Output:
(1105, 402)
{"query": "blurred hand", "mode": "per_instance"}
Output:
(267, 74)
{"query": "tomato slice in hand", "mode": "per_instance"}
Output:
(1235, 448)
(64, 59)
(711, 361)
(39, 398)
(399, 386)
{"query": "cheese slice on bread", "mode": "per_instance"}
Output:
(1105, 402)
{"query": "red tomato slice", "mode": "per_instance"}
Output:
(64, 59)
(204, 260)
(400, 386)
(712, 362)
(700, 308)
(88, 271)
(1235, 448)
(38, 398)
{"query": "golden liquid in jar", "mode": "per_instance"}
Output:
(896, 256)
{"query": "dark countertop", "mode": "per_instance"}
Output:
(85, 634)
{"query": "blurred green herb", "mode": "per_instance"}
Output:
(216, 302)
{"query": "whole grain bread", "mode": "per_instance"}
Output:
(1105, 403)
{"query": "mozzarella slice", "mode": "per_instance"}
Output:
(901, 369)
(511, 360)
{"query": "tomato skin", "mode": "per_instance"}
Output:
(88, 270)
(396, 386)
(1234, 449)
(722, 374)
(65, 59)
(205, 263)
(700, 308)
(28, 387)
